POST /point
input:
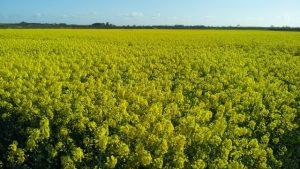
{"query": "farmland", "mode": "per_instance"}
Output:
(72, 98)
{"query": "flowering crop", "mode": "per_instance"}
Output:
(149, 99)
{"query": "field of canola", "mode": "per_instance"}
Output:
(149, 99)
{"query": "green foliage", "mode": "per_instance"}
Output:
(149, 99)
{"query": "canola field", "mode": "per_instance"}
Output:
(149, 99)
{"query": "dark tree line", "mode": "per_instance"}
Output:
(108, 25)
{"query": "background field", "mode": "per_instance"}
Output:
(149, 99)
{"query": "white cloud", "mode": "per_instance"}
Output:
(156, 16)
(134, 15)
(37, 15)
(90, 14)
(65, 16)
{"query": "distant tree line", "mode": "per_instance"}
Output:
(108, 25)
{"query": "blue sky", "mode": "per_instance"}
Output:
(154, 12)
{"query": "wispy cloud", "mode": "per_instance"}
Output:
(156, 16)
(134, 15)
(89, 14)
(37, 15)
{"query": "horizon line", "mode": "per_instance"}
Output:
(148, 25)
